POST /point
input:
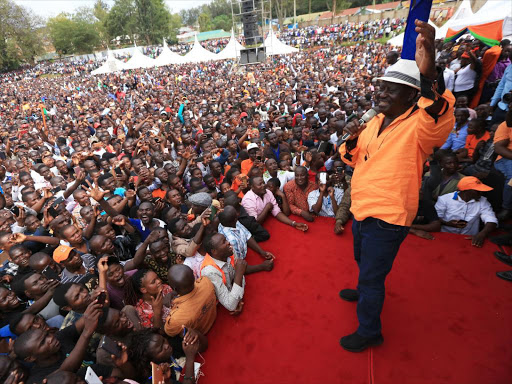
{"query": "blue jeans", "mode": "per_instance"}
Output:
(376, 244)
(505, 167)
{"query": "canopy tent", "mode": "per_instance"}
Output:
(232, 49)
(110, 65)
(274, 46)
(168, 57)
(139, 60)
(490, 24)
(398, 40)
(198, 54)
(464, 12)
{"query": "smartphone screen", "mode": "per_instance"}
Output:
(50, 273)
(323, 178)
(110, 346)
(91, 377)
(214, 212)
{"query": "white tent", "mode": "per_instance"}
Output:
(110, 65)
(198, 54)
(398, 40)
(139, 60)
(491, 11)
(274, 46)
(464, 12)
(168, 57)
(232, 49)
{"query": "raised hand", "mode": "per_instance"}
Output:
(119, 220)
(95, 191)
(102, 265)
(425, 49)
(18, 238)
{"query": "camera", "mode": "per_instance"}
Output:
(507, 98)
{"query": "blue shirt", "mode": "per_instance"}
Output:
(504, 87)
(237, 237)
(457, 139)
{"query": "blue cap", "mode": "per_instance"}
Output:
(261, 126)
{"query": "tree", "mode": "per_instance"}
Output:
(20, 35)
(190, 16)
(175, 24)
(76, 33)
(100, 12)
(205, 22)
(152, 20)
(223, 22)
(121, 19)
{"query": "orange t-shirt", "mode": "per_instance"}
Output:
(246, 166)
(388, 166)
(472, 141)
(503, 133)
(159, 193)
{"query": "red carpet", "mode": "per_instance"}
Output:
(446, 318)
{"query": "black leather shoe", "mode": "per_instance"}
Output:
(349, 294)
(357, 343)
(503, 257)
(507, 275)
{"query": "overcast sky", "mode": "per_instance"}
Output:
(49, 8)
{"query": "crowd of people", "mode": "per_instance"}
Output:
(129, 200)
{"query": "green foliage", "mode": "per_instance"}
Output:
(175, 24)
(190, 16)
(20, 35)
(222, 22)
(76, 33)
(153, 19)
(120, 20)
(205, 22)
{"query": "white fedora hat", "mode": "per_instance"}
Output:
(403, 72)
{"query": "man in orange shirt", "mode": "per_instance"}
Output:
(503, 147)
(476, 134)
(253, 160)
(387, 155)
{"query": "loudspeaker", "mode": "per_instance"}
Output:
(252, 55)
(250, 21)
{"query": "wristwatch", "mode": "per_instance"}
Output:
(293, 224)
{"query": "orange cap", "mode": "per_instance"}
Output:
(61, 253)
(472, 183)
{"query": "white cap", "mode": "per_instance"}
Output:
(403, 72)
(308, 110)
(252, 146)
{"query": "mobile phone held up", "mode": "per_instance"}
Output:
(50, 273)
(110, 346)
(214, 212)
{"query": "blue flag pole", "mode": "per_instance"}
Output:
(418, 10)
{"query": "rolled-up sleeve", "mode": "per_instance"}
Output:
(486, 213)
(434, 132)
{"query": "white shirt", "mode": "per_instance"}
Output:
(449, 78)
(283, 176)
(228, 294)
(455, 64)
(465, 79)
(327, 209)
(452, 207)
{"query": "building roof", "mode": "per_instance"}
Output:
(378, 7)
(209, 35)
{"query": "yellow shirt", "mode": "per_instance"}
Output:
(388, 167)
